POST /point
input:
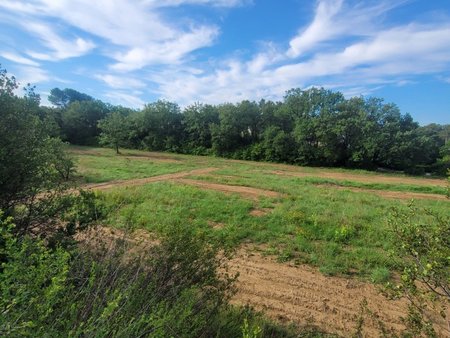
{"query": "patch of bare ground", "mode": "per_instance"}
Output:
(403, 195)
(248, 192)
(302, 295)
(362, 178)
(289, 293)
(108, 234)
(260, 212)
(151, 159)
(216, 225)
(141, 181)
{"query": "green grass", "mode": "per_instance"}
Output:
(103, 165)
(340, 232)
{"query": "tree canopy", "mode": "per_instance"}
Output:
(308, 127)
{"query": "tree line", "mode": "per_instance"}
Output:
(316, 127)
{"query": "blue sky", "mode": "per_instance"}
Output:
(214, 51)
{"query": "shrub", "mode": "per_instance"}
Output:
(174, 288)
(425, 279)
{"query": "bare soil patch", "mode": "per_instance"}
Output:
(302, 295)
(260, 212)
(151, 159)
(216, 225)
(376, 178)
(404, 195)
(289, 293)
(252, 193)
(140, 181)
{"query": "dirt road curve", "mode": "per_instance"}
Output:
(302, 295)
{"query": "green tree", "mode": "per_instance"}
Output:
(158, 127)
(63, 98)
(33, 164)
(197, 120)
(114, 131)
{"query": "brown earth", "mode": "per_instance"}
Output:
(140, 181)
(406, 195)
(292, 294)
(302, 295)
(152, 159)
(364, 178)
(252, 193)
(260, 212)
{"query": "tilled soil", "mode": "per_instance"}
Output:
(302, 295)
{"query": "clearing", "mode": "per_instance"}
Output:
(311, 243)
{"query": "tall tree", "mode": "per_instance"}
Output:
(63, 98)
(114, 131)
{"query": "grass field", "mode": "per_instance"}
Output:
(302, 215)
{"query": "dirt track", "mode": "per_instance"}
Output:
(252, 193)
(302, 295)
(362, 178)
(141, 181)
(249, 192)
(401, 195)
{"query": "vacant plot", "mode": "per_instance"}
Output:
(329, 234)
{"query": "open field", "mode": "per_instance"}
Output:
(320, 235)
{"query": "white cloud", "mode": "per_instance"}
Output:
(347, 45)
(336, 18)
(59, 48)
(215, 3)
(168, 52)
(137, 30)
(117, 81)
(385, 57)
(125, 99)
(33, 75)
(18, 59)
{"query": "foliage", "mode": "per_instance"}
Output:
(114, 131)
(63, 98)
(171, 289)
(425, 279)
(309, 127)
(34, 165)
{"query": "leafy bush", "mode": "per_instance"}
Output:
(425, 279)
(175, 288)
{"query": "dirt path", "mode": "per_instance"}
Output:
(302, 295)
(252, 193)
(362, 178)
(140, 181)
(247, 192)
(403, 195)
